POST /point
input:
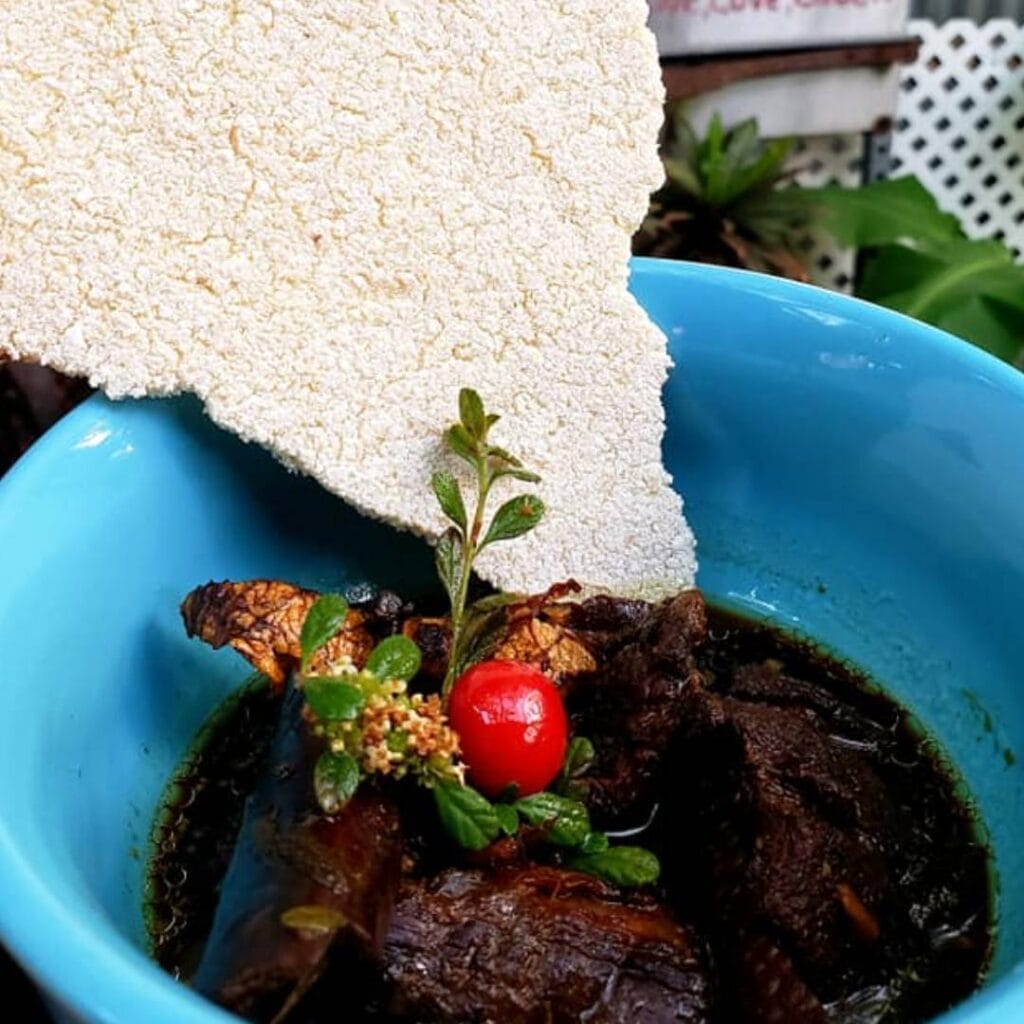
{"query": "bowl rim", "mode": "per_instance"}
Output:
(115, 982)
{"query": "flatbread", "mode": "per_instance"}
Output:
(324, 218)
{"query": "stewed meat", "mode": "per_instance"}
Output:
(540, 946)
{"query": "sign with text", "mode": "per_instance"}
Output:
(717, 26)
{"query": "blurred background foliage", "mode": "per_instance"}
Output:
(729, 199)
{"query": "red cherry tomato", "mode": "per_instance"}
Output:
(512, 726)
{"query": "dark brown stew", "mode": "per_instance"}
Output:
(816, 846)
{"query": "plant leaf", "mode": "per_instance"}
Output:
(501, 453)
(333, 699)
(774, 216)
(507, 818)
(495, 602)
(579, 756)
(462, 443)
(971, 288)
(989, 324)
(469, 818)
(746, 164)
(322, 622)
(595, 842)
(335, 779)
(514, 518)
(883, 213)
(448, 559)
(395, 657)
(480, 633)
(761, 171)
(681, 155)
(449, 497)
(471, 413)
(682, 175)
(525, 475)
(712, 158)
(620, 865)
(567, 821)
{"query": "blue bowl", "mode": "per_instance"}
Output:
(850, 474)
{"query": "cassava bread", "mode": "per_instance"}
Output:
(324, 217)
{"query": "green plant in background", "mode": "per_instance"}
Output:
(722, 201)
(728, 199)
(918, 260)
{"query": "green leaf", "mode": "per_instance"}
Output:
(395, 657)
(595, 842)
(971, 288)
(775, 216)
(469, 818)
(314, 918)
(747, 164)
(525, 475)
(988, 324)
(620, 865)
(333, 699)
(968, 268)
(682, 175)
(567, 821)
(578, 757)
(461, 442)
(573, 790)
(500, 453)
(481, 631)
(896, 210)
(514, 518)
(726, 188)
(682, 154)
(511, 466)
(507, 819)
(449, 497)
(335, 779)
(322, 622)
(495, 602)
(448, 559)
(471, 413)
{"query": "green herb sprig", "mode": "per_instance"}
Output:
(363, 715)
(460, 545)
(366, 716)
(474, 822)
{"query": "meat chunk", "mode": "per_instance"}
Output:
(288, 855)
(632, 709)
(262, 620)
(604, 619)
(567, 639)
(794, 823)
(540, 946)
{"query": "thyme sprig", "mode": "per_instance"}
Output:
(459, 546)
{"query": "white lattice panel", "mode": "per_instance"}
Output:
(828, 160)
(960, 124)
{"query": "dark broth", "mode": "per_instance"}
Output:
(943, 861)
